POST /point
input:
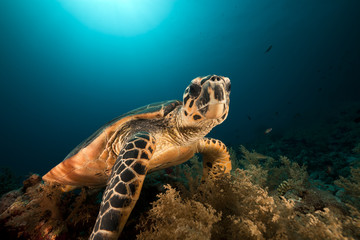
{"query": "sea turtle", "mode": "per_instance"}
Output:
(150, 138)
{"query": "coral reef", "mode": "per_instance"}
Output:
(239, 209)
(351, 187)
(245, 204)
(328, 147)
(38, 211)
(171, 217)
(303, 185)
(279, 174)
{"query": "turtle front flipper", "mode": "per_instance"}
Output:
(215, 156)
(124, 186)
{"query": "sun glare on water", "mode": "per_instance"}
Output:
(120, 17)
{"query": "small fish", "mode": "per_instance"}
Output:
(267, 131)
(249, 117)
(268, 49)
(277, 113)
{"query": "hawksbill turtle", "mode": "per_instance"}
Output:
(147, 139)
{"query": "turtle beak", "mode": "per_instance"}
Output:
(215, 110)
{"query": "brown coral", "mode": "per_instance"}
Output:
(249, 212)
(44, 212)
(351, 186)
(174, 218)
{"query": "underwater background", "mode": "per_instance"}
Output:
(67, 67)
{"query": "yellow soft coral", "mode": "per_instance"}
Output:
(248, 211)
(351, 186)
(174, 218)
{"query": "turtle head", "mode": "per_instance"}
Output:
(206, 98)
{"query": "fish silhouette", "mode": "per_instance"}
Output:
(268, 49)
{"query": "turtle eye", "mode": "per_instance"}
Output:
(228, 87)
(194, 90)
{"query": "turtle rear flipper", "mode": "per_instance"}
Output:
(124, 186)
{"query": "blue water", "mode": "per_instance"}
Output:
(63, 75)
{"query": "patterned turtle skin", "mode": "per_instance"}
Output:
(147, 139)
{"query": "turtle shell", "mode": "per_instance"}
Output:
(90, 163)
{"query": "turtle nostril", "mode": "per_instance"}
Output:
(215, 78)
